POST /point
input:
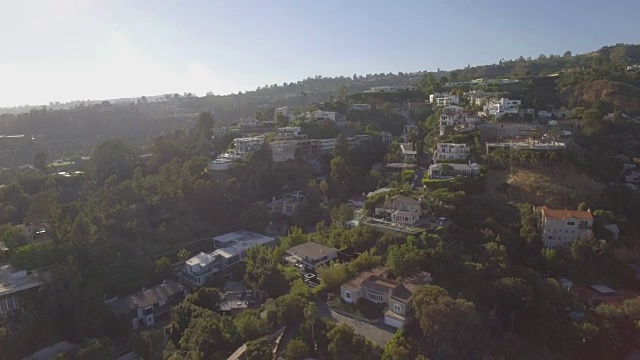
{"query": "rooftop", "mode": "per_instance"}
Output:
(400, 165)
(311, 250)
(565, 214)
(12, 281)
(147, 297)
(242, 236)
(201, 259)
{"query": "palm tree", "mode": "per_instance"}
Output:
(311, 313)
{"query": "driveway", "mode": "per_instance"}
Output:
(378, 333)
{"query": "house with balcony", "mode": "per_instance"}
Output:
(285, 205)
(560, 228)
(15, 285)
(443, 171)
(375, 285)
(310, 255)
(246, 146)
(504, 106)
(451, 151)
(231, 249)
(290, 132)
(143, 308)
(400, 209)
(444, 99)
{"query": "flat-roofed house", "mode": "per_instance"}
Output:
(310, 255)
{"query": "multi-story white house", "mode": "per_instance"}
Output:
(562, 227)
(448, 171)
(444, 99)
(386, 137)
(479, 97)
(502, 107)
(400, 209)
(450, 151)
(359, 107)
(331, 115)
(376, 286)
(142, 308)
(289, 132)
(231, 248)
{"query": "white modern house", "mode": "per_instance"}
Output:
(376, 286)
(246, 146)
(359, 107)
(448, 171)
(444, 99)
(400, 209)
(386, 137)
(450, 151)
(289, 132)
(143, 307)
(231, 248)
(502, 107)
(562, 227)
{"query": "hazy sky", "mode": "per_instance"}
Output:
(61, 50)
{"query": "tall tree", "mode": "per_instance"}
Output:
(113, 158)
(311, 313)
(205, 123)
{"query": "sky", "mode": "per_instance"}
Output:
(64, 50)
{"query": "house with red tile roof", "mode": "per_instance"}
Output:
(562, 227)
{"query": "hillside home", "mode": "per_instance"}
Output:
(390, 89)
(14, 285)
(375, 285)
(450, 151)
(409, 155)
(289, 132)
(284, 150)
(502, 107)
(544, 114)
(359, 107)
(632, 178)
(310, 255)
(400, 209)
(562, 227)
(286, 205)
(231, 249)
(448, 171)
(144, 307)
(386, 137)
(444, 99)
(285, 111)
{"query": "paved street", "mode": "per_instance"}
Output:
(378, 333)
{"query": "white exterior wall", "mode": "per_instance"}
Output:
(446, 151)
(386, 137)
(559, 232)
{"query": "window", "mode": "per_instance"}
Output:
(571, 222)
(375, 297)
(397, 308)
(347, 295)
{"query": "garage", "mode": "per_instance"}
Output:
(394, 321)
